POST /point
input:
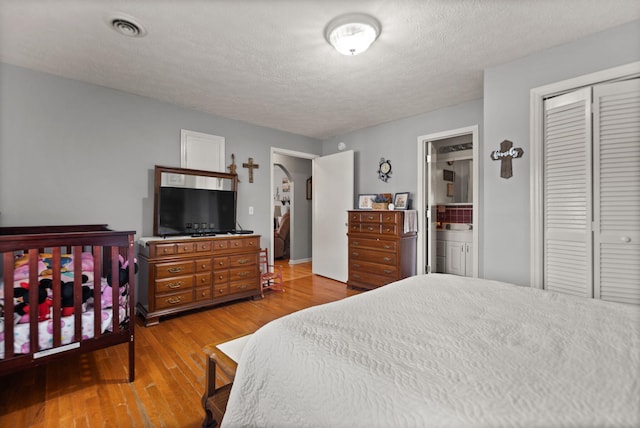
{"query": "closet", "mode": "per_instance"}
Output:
(591, 188)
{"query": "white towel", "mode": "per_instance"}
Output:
(410, 221)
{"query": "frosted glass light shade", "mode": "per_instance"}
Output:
(352, 34)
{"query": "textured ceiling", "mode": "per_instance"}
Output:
(267, 62)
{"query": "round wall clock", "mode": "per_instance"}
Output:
(384, 169)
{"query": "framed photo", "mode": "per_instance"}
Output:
(365, 201)
(401, 201)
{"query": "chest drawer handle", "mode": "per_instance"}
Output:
(356, 276)
(185, 249)
(356, 265)
(174, 285)
(387, 271)
(386, 247)
(221, 291)
(387, 259)
(243, 274)
(221, 263)
(356, 243)
(204, 266)
(370, 217)
(251, 244)
(174, 300)
(164, 250)
(203, 280)
(243, 287)
(355, 254)
(175, 269)
(370, 228)
(243, 261)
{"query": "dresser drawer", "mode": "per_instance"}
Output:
(355, 227)
(203, 265)
(221, 277)
(371, 217)
(368, 279)
(373, 268)
(375, 244)
(241, 286)
(390, 217)
(243, 260)
(372, 228)
(203, 279)
(186, 248)
(172, 300)
(220, 263)
(177, 283)
(169, 269)
(203, 293)
(389, 229)
(221, 244)
(358, 254)
(165, 250)
(242, 274)
(220, 290)
(204, 246)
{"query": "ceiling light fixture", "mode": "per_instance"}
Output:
(352, 34)
(127, 27)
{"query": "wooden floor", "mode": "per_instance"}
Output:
(91, 390)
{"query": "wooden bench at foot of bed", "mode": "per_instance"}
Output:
(225, 356)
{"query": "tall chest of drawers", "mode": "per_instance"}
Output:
(380, 249)
(181, 274)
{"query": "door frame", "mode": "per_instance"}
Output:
(421, 258)
(536, 138)
(295, 154)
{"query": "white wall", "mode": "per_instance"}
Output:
(506, 242)
(74, 153)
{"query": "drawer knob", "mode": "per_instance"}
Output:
(174, 285)
(164, 250)
(204, 293)
(221, 291)
(203, 280)
(204, 266)
(174, 300)
(370, 228)
(185, 248)
(204, 247)
(221, 263)
(220, 277)
(251, 244)
(175, 269)
(236, 243)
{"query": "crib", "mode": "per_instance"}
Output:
(64, 290)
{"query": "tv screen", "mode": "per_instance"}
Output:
(187, 211)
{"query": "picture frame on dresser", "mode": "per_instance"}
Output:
(401, 201)
(365, 201)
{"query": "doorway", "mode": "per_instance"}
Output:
(447, 200)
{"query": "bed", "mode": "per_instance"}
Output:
(443, 351)
(64, 290)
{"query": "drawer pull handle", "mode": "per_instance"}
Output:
(356, 276)
(370, 217)
(243, 287)
(204, 247)
(243, 261)
(386, 247)
(243, 274)
(164, 250)
(356, 265)
(175, 269)
(185, 248)
(356, 243)
(370, 228)
(251, 244)
(356, 254)
(236, 243)
(387, 259)
(174, 285)
(174, 300)
(387, 271)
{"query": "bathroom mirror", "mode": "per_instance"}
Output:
(455, 181)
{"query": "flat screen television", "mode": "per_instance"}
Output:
(191, 211)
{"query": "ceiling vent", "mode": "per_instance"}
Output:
(127, 27)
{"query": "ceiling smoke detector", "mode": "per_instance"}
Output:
(127, 27)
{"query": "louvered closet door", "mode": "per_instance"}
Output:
(567, 194)
(616, 136)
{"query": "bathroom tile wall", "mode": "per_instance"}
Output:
(455, 214)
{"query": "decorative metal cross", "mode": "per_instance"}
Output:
(251, 166)
(505, 154)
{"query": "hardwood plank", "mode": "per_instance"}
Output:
(92, 389)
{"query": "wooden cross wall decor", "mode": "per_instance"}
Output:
(251, 167)
(506, 154)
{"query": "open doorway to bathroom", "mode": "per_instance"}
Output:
(447, 200)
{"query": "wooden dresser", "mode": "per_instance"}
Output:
(380, 250)
(182, 274)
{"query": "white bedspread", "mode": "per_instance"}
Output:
(444, 351)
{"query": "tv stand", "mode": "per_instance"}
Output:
(183, 273)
